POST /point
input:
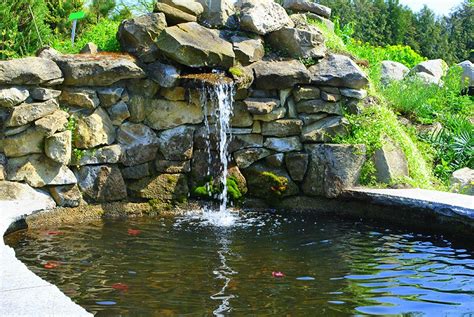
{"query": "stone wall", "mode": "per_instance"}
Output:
(105, 127)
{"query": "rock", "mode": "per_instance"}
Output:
(277, 113)
(217, 13)
(462, 181)
(426, 78)
(172, 167)
(118, 113)
(67, 195)
(261, 106)
(52, 123)
(332, 168)
(27, 142)
(280, 74)
(23, 192)
(308, 15)
(390, 163)
(80, 97)
(246, 157)
(44, 94)
(307, 6)
(296, 164)
(338, 71)
(136, 107)
(29, 112)
(139, 143)
(188, 6)
(177, 144)
(15, 130)
(137, 171)
(10, 97)
(193, 45)
(38, 171)
(109, 96)
(101, 183)
(89, 48)
(257, 127)
(268, 182)
(468, 73)
(312, 118)
(283, 145)
(243, 80)
(353, 93)
(30, 71)
(205, 164)
(94, 130)
(241, 117)
(325, 129)
(97, 70)
(259, 93)
(275, 160)
(282, 127)
(392, 71)
(263, 16)
(165, 75)
(298, 43)
(247, 50)
(234, 172)
(306, 92)
(137, 36)
(330, 97)
(164, 188)
(174, 94)
(173, 15)
(58, 147)
(243, 141)
(47, 52)
(164, 114)
(3, 166)
(110, 154)
(435, 67)
(146, 88)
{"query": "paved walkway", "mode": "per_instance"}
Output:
(22, 293)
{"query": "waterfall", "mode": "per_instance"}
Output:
(217, 102)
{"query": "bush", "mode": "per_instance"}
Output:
(102, 34)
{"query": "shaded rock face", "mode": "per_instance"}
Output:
(139, 143)
(163, 187)
(193, 45)
(332, 168)
(263, 16)
(339, 71)
(164, 114)
(101, 183)
(137, 36)
(280, 75)
(177, 144)
(30, 71)
(248, 50)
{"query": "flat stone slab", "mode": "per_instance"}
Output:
(450, 205)
(22, 293)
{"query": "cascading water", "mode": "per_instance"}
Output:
(217, 101)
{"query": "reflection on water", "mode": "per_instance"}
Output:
(184, 266)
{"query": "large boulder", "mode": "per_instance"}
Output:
(38, 171)
(462, 181)
(30, 71)
(307, 6)
(392, 71)
(217, 13)
(164, 188)
(298, 43)
(163, 114)
(177, 144)
(94, 130)
(297, 164)
(27, 142)
(174, 15)
(248, 50)
(196, 46)
(263, 16)
(101, 183)
(189, 6)
(10, 97)
(29, 112)
(390, 163)
(280, 74)
(340, 71)
(139, 143)
(25, 193)
(468, 72)
(164, 74)
(436, 68)
(332, 168)
(97, 69)
(137, 36)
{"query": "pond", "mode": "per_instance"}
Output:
(265, 264)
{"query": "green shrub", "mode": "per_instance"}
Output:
(102, 34)
(211, 189)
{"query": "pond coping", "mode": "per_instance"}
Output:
(23, 293)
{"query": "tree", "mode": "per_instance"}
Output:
(59, 11)
(102, 8)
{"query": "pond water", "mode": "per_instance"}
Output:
(265, 265)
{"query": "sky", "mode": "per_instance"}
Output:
(440, 7)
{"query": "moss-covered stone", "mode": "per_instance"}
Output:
(162, 188)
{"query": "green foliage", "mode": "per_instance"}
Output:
(59, 11)
(309, 61)
(101, 8)
(102, 34)
(212, 189)
(236, 71)
(78, 154)
(277, 184)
